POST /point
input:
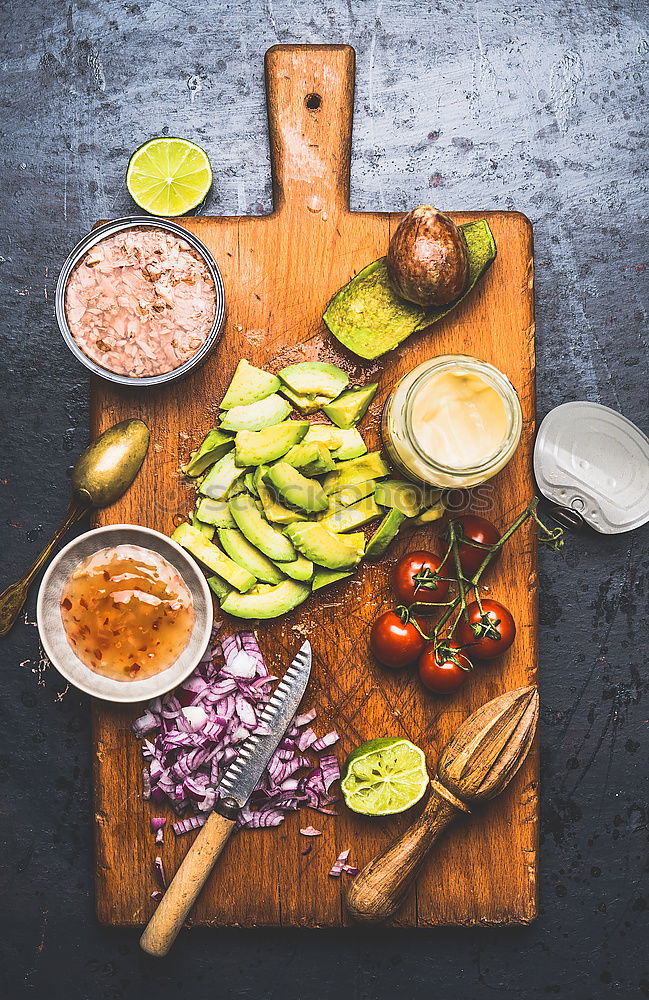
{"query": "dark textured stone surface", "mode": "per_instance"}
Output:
(537, 107)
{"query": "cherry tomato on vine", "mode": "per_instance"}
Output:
(491, 631)
(474, 529)
(395, 642)
(444, 670)
(419, 579)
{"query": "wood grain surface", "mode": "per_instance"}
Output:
(279, 272)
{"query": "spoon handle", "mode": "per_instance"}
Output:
(379, 889)
(15, 595)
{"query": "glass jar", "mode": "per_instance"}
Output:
(403, 430)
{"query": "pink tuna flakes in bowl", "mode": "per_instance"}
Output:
(140, 301)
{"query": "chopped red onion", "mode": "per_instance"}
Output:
(350, 870)
(157, 895)
(160, 872)
(310, 831)
(339, 863)
(191, 736)
(157, 824)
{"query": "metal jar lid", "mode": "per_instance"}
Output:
(594, 461)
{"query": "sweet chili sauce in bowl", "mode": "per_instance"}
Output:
(124, 613)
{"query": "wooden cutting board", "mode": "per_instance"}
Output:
(279, 272)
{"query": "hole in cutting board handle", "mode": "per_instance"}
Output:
(313, 101)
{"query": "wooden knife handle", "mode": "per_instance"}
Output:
(162, 929)
(378, 890)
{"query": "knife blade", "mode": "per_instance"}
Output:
(235, 788)
(242, 777)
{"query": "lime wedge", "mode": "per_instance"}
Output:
(169, 176)
(384, 776)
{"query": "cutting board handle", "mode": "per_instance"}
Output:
(310, 97)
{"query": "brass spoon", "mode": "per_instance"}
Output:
(103, 472)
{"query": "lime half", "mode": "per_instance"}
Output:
(383, 777)
(169, 176)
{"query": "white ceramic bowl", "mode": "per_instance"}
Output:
(52, 632)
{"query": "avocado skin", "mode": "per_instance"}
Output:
(296, 489)
(270, 603)
(370, 319)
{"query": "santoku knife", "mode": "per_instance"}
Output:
(235, 788)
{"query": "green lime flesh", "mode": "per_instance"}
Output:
(169, 176)
(384, 777)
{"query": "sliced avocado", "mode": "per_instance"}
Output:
(274, 511)
(312, 458)
(400, 494)
(249, 557)
(255, 416)
(205, 529)
(368, 316)
(299, 569)
(325, 434)
(214, 512)
(351, 495)
(322, 546)
(358, 470)
(211, 556)
(295, 489)
(249, 483)
(386, 531)
(314, 378)
(432, 513)
(304, 402)
(350, 518)
(221, 478)
(268, 603)
(249, 385)
(358, 540)
(352, 446)
(262, 447)
(351, 406)
(214, 446)
(324, 577)
(259, 532)
(219, 586)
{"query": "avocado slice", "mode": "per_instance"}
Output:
(400, 494)
(205, 529)
(351, 406)
(211, 556)
(249, 557)
(357, 540)
(299, 569)
(295, 489)
(221, 478)
(314, 378)
(255, 416)
(214, 446)
(358, 470)
(325, 434)
(323, 546)
(274, 511)
(312, 459)
(219, 586)
(350, 518)
(249, 385)
(352, 446)
(266, 603)
(304, 402)
(432, 513)
(386, 531)
(214, 512)
(262, 447)
(351, 495)
(370, 319)
(259, 532)
(325, 577)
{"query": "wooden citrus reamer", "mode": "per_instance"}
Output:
(477, 763)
